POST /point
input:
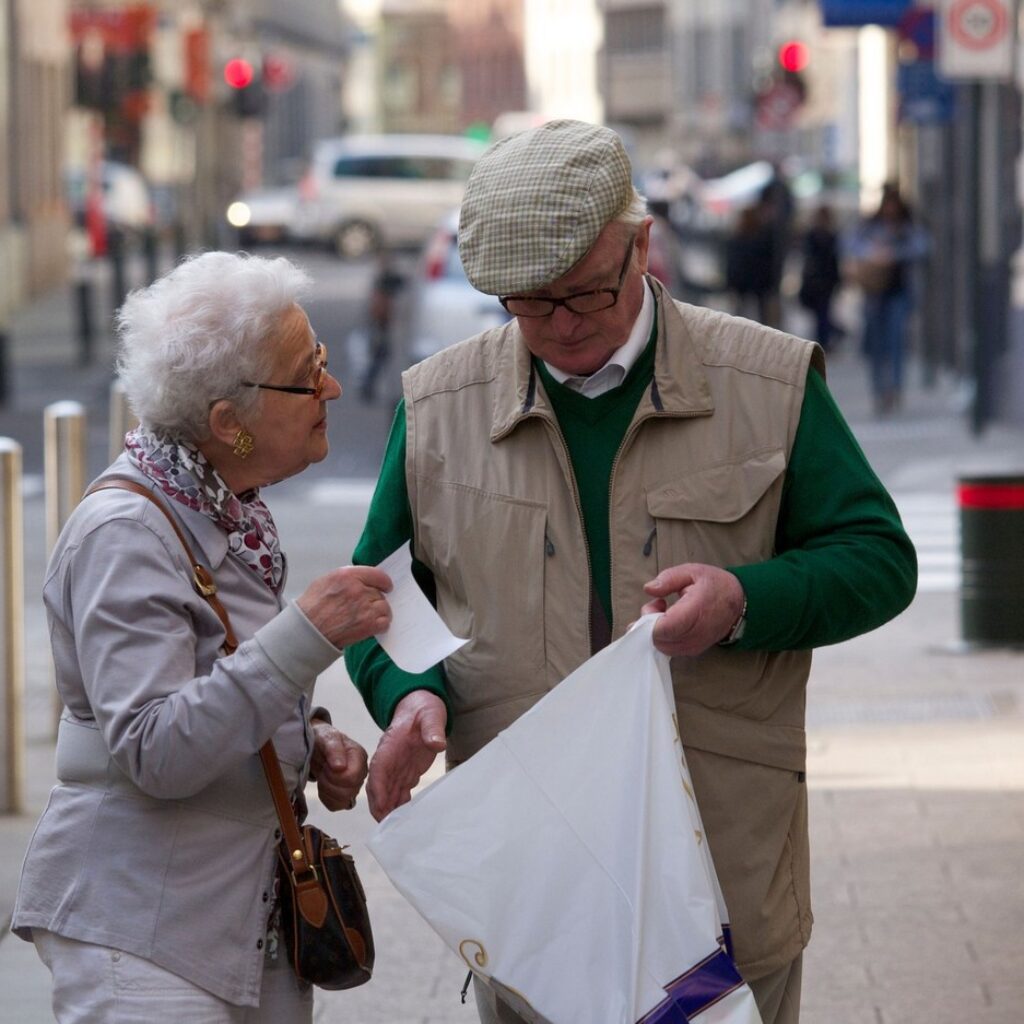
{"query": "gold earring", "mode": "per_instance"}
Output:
(244, 443)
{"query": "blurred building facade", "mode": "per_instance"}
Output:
(34, 96)
(704, 81)
(449, 66)
(561, 42)
(417, 67)
(490, 47)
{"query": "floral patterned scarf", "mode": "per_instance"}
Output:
(183, 473)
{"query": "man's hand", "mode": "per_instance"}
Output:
(710, 602)
(338, 765)
(406, 750)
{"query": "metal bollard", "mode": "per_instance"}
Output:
(122, 419)
(12, 641)
(64, 466)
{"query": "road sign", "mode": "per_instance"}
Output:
(976, 39)
(917, 26)
(924, 97)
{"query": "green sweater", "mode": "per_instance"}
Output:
(843, 564)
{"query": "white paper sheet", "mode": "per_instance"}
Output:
(417, 637)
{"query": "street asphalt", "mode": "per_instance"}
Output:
(916, 740)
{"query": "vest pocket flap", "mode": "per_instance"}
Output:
(718, 494)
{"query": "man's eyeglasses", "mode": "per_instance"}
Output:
(319, 379)
(581, 302)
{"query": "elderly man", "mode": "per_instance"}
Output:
(611, 451)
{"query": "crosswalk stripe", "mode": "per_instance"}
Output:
(932, 523)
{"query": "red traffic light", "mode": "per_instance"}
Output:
(793, 56)
(238, 73)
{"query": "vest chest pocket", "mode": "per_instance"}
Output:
(487, 554)
(723, 514)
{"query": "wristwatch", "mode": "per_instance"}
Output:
(739, 627)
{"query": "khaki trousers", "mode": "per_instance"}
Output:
(777, 996)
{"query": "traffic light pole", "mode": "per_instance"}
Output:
(997, 112)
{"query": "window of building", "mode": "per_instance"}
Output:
(636, 30)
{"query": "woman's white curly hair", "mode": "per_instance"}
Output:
(195, 334)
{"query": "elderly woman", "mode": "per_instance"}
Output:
(148, 886)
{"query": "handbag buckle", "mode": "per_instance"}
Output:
(203, 581)
(302, 876)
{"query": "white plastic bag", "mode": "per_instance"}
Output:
(566, 861)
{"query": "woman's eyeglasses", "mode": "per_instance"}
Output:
(320, 378)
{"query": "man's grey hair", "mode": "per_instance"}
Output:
(634, 213)
(195, 334)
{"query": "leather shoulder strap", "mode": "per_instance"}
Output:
(202, 578)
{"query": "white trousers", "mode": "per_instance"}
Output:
(98, 985)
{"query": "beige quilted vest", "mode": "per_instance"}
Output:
(698, 479)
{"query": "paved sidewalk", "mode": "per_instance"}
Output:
(916, 774)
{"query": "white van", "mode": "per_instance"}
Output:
(367, 191)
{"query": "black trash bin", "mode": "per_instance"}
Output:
(992, 558)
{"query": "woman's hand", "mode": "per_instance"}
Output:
(348, 604)
(338, 765)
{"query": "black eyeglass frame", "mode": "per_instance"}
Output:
(320, 354)
(567, 300)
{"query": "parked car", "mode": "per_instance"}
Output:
(443, 307)
(366, 191)
(264, 214)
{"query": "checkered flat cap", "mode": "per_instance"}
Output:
(536, 202)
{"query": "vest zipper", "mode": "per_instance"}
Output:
(555, 429)
(631, 432)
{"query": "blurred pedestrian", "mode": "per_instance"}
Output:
(778, 209)
(148, 887)
(749, 260)
(884, 251)
(380, 316)
(820, 274)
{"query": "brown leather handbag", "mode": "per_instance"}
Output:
(325, 926)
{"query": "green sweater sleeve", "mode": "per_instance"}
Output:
(843, 564)
(379, 680)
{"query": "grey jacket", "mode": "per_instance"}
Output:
(159, 836)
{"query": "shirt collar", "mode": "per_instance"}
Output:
(620, 362)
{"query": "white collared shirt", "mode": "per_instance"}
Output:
(620, 362)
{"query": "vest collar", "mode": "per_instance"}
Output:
(679, 388)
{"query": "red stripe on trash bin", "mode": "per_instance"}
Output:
(1000, 496)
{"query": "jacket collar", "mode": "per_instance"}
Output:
(679, 386)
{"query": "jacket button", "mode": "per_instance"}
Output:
(266, 896)
(277, 833)
(259, 943)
